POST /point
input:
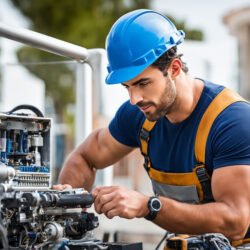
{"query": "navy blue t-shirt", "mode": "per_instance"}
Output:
(171, 146)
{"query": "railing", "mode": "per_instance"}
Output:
(92, 69)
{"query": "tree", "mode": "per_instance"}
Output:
(190, 34)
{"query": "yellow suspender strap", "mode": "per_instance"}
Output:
(144, 135)
(237, 243)
(225, 98)
(144, 138)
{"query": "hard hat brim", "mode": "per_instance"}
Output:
(125, 74)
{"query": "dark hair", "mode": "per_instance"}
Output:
(164, 60)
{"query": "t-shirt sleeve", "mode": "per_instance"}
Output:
(125, 126)
(230, 136)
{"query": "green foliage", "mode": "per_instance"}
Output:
(190, 34)
(84, 22)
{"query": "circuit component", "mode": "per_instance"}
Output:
(25, 146)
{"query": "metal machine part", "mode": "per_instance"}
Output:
(6, 173)
(25, 146)
(53, 231)
(32, 216)
(37, 219)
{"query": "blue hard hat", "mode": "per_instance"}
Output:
(136, 40)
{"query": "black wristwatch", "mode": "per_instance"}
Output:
(154, 206)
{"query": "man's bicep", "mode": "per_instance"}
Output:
(231, 186)
(101, 149)
(229, 137)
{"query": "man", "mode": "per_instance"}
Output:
(188, 130)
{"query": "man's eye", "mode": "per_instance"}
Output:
(143, 84)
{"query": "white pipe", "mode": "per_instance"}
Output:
(98, 61)
(44, 42)
(84, 111)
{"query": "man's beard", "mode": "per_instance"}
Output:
(165, 104)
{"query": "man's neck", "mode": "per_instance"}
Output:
(188, 93)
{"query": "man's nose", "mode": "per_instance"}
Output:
(135, 96)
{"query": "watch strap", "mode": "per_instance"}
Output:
(152, 213)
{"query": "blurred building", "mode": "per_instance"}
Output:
(238, 22)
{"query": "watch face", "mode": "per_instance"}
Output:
(155, 204)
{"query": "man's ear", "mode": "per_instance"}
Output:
(175, 68)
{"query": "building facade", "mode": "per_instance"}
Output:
(238, 22)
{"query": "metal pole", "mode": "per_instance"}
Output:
(83, 113)
(44, 42)
(98, 61)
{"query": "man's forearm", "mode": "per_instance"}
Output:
(77, 172)
(214, 217)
